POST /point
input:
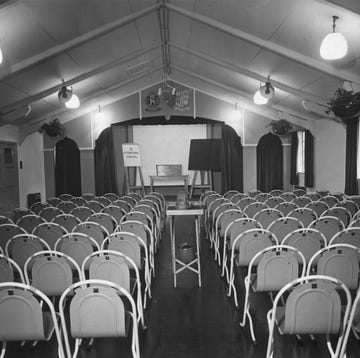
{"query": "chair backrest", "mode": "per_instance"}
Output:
(94, 205)
(122, 204)
(349, 236)
(103, 200)
(340, 213)
(277, 266)
(67, 221)
(7, 231)
(301, 201)
(328, 225)
(273, 201)
(307, 241)
(77, 245)
(21, 247)
(286, 207)
(262, 197)
(29, 222)
(318, 206)
(65, 197)
(53, 201)
(111, 196)
(92, 229)
(230, 193)
(350, 205)
(28, 313)
(305, 215)
(115, 211)
(105, 220)
(49, 232)
(168, 169)
(288, 196)
(137, 228)
(299, 192)
(129, 199)
(88, 196)
(244, 202)
(237, 197)
(239, 226)
(82, 212)
(313, 196)
(276, 192)
(330, 200)
(229, 216)
(283, 226)
(38, 206)
(66, 206)
(135, 195)
(341, 261)
(52, 272)
(5, 220)
(252, 209)
(50, 212)
(19, 212)
(78, 200)
(10, 271)
(267, 216)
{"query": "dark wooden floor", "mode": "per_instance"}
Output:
(189, 322)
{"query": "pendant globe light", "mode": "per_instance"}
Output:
(73, 102)
(334, 45)
(258, 98)
(267, 90)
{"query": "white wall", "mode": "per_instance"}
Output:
(32, 175)
(9, 133)
(330, 156)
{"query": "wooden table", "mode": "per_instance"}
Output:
(177, 264)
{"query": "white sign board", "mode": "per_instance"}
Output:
(131, 154)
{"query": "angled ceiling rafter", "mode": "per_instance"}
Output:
(338, 6)
(77, 79)
(244, 99)
(268, 45)
(66, 46)
(84, 109)
(289, 89)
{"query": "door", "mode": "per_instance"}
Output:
(9, 178)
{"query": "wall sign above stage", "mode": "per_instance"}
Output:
(170, 99)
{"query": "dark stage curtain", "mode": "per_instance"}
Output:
(294, 179)
(269, 154)
(105, 176)
(231, 160)
(309, 159)
(67, 168)
(351, 156)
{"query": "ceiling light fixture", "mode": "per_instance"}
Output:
(65, 93)
(334, 45)
(267, 90)
(258, 98)
(73, 102)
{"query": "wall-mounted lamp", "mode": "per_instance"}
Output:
(334, 45)
(99, 116)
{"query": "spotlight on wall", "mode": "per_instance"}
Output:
(334, 45)
(258, 98)
(267, 90)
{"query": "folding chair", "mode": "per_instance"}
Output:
(286, 207)
(312, 305)
(7, 231)
(67, 221)
(305, 215)
(52, 272)
(135, 248)
(283, 226)
(115, 266)
(274, 267)
(77, 246)
(29, 316)
(307, 241)
(22, 246)
(266, 216)
(88, 321)
(244, 247)
(10, 271)
(49, 232)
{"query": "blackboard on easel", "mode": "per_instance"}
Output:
(132, 160)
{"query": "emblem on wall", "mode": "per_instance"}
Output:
(152, 102)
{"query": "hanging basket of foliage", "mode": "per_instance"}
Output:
(344, 104)
(281, 127)
(53, 128)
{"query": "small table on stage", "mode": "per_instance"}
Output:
(172, 212)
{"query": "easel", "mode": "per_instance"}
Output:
(132, 159)
(203, 184)
(133, 186)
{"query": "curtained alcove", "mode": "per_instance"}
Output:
(67, 167)
(109, 145)
(270, 169)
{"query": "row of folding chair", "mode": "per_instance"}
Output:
(31, 316)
